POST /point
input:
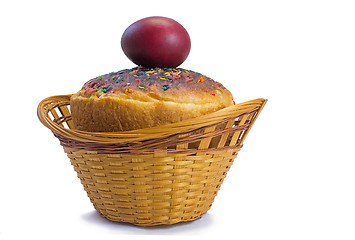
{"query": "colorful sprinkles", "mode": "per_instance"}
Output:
(188, 79)
(165, 87)
(143, 79)
(128, 90)
(201, 80)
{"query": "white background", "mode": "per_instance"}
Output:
(295, 176)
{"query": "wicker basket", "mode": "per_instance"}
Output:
(161, 175)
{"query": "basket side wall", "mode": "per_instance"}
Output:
(151, 190)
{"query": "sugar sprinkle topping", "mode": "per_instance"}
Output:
(142, 79)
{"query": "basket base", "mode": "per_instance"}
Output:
(152, 222)
(155, 217)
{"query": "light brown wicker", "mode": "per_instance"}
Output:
(160, 175)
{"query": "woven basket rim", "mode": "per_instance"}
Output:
(224, 114)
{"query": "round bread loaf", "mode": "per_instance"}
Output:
(142, 98)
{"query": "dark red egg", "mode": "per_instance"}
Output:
(156, 42)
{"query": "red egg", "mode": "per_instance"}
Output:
(156, 42)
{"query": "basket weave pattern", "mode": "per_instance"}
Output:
(160, 175)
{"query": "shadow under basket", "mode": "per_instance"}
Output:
(160, 175)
